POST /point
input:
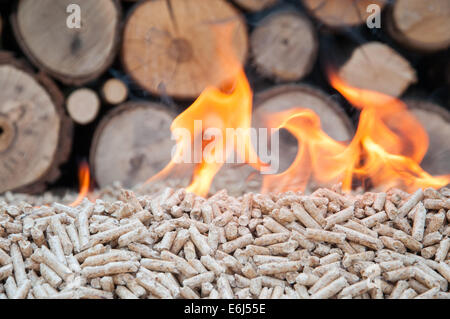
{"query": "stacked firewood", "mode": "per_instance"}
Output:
(56, 76)
(178, 245)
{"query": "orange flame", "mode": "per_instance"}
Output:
(84, 183)
(386, 150)
(219, 109)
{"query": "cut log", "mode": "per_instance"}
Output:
(436, 122)
(131, 144)
(284, 46)
(172, 47)
(255, 5)
(114, 91)
(341, 13)
(421, 25)
(83, 106)
(35, 135)
(72, 55)
(377, 67)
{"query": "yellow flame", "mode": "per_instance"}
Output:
(386, 150)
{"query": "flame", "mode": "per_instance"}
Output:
(227, 107)
(386, 150)
(84, 183)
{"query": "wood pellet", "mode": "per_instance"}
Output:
(329, 244)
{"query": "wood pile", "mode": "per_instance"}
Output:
(109, 89)
(177, 245)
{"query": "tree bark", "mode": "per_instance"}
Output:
(420, 25)
(35, 134)
(341, 13)
(377, 67)
(71, 55)
(255, 5)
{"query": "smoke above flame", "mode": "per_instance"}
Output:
(385, 152)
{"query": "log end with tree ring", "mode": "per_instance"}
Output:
(34, 133)
(421, 25)
(377, 67)
(284, 46)
(72, 55)
(7, 133)
(169, 50)
(341, 13)
(436, 122)
(255, 5)
(131, 144)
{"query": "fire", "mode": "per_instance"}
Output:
(385, 152)
(84, 183)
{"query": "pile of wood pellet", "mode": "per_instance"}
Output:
(177, 245)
